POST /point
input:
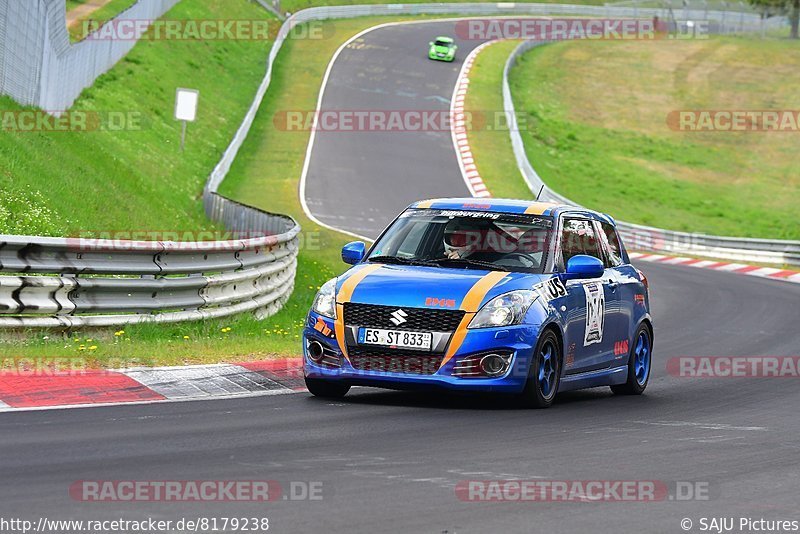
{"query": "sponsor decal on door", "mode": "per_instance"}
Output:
(595, 313)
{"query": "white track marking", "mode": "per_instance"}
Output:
(704, 263)
(158, 401)
(198, 381)
(676, 261)
(704, 426)
(458, 129)
(763, 272)
(731, 267)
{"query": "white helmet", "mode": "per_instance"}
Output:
(457, 237)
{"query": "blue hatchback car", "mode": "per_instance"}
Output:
(506, 296)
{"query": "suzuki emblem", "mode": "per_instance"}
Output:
(399, 317)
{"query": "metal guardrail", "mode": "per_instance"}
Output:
(747, 22)
(641, 237)
(72, 283)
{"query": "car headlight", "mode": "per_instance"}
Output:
(504, 310)
(325, 301)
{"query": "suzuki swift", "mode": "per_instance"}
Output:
(442, 49)
(505, 296)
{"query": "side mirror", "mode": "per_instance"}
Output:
(430, 43)
(583, 266)
(455, 47)
(353, 253)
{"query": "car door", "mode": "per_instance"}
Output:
(630, 290)
(590, 330)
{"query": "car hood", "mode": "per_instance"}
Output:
(428, 287)
(441, 49)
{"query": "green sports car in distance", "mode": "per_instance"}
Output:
(442, 49)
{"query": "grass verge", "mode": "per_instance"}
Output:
(597, 131)
(491, 148)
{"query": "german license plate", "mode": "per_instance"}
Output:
(395, 338)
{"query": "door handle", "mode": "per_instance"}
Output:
(613, 285)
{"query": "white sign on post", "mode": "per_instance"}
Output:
(186, 109)
(186, 104)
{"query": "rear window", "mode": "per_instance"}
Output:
(614, 244)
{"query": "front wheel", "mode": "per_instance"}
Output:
(638, 364)
(545, 374)
(326, 388)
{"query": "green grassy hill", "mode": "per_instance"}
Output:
(63, 183)
(595, 116)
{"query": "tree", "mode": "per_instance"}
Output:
(781, 7)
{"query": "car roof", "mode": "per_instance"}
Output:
(444, 38)
(512, 206)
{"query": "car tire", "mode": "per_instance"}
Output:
(544, 376)
(639, 364)
(326, 388)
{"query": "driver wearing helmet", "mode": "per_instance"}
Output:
(460, 239)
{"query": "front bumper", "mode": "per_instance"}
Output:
(517, 340)
(437, 57)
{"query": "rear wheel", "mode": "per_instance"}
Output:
(639, 364)
(326, 388)
(545, 373)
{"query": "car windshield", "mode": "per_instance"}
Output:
(466, 240)
(442, 43)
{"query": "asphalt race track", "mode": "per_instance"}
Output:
(389, 461)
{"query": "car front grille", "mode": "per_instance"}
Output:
(417, 319)
(394, 361)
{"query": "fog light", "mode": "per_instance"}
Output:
(494, 365)
(316, 351)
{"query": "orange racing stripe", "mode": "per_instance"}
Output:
(344, 295)
(470, 305)
(538, 208)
